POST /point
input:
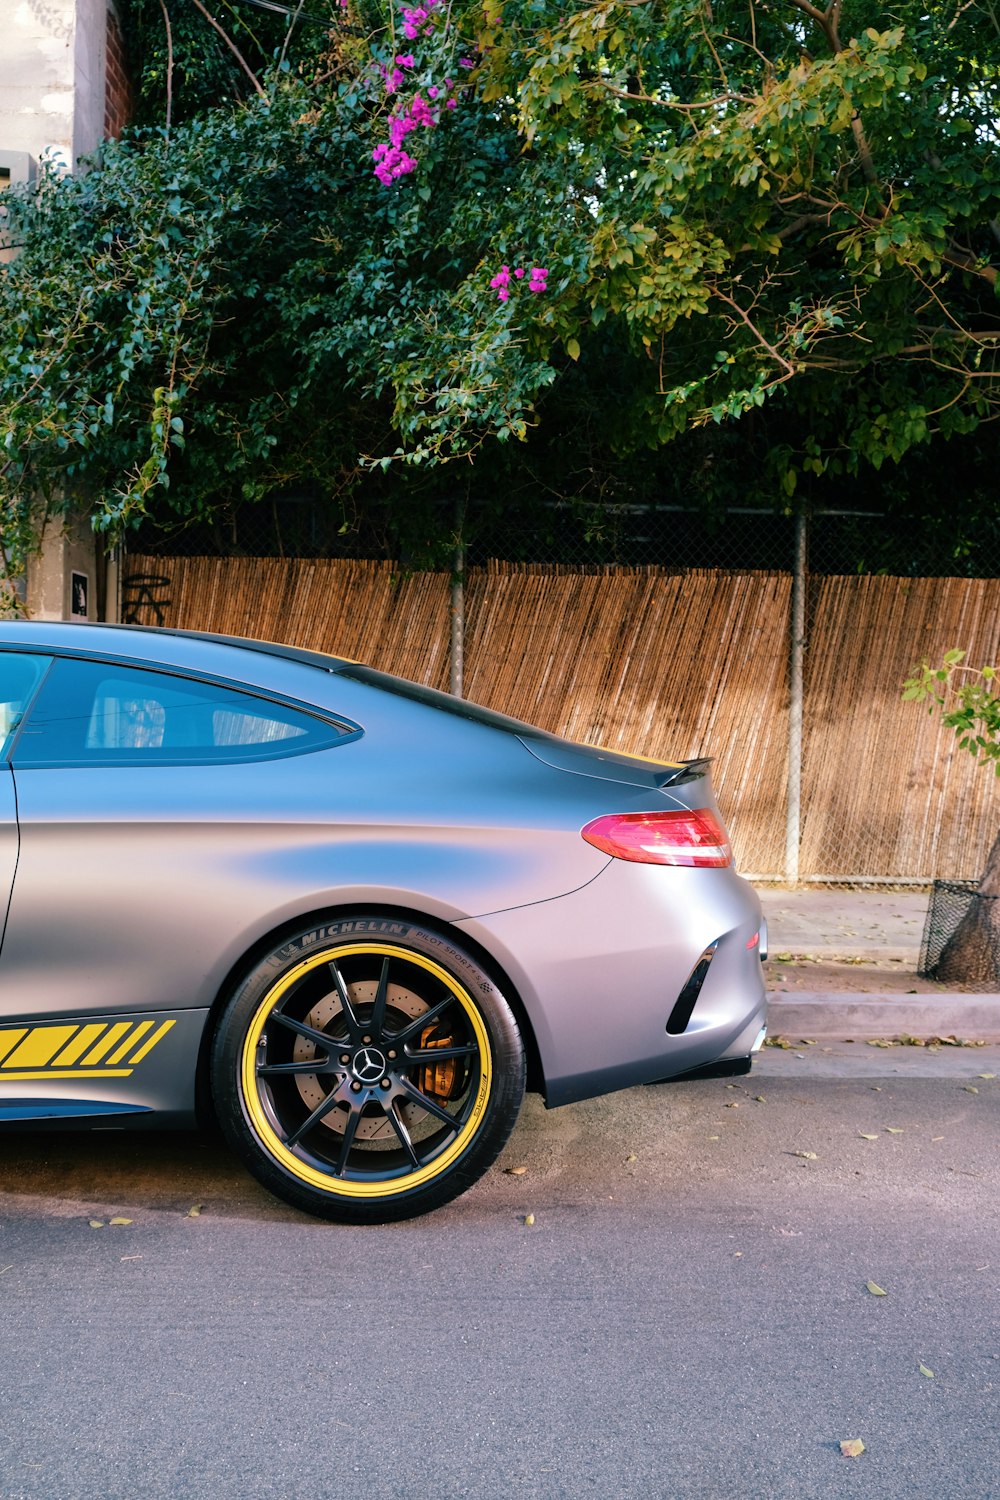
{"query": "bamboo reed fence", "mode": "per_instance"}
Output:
(669, 665)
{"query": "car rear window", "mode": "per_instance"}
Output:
(99, 713)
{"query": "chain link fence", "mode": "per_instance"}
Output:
(841, 541)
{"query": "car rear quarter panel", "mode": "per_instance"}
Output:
(599, 971)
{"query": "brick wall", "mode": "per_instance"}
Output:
(118, 90)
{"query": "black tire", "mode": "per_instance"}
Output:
(367, 1070)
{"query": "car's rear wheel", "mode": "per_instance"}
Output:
(367, 1070)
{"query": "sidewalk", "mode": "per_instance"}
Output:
(843, 964)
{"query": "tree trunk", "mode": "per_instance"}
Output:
(972, 953)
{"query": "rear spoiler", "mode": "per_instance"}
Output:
(612, 765)
(688, 770)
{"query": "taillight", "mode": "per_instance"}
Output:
(662, 838)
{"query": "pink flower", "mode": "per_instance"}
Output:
(420, 111)
(519, 273)
(433, 91)
(392, 163)
(503, 294)
(451, 104)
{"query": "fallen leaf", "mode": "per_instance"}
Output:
(119, 1220)
(631, 1156)
(893, 1130)
(97, 1223)
(529, 1219)
(924, 1371)
(760, 1098)
(806, 1155)
(970, 1088)
(732, 1104)
(875, 1289)
(986, 1075)
(852, 1447)
(194, 1211)
(876, 1088)
(713, 1137)
(866, 1137)
(515, 1171)
(937, 1137)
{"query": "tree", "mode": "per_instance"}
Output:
(969, 702)
(459, 228)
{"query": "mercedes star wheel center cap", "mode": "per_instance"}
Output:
(368, 1065)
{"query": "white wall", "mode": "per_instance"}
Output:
(52, 76)
(52, 62)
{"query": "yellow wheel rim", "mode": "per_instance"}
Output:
(330, 1182)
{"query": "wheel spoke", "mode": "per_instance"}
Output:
(402, 1133)
(309, 1065)
(346, 1004)
(301, 1028)
(424, 1019)
(430, 1105)
(377, 1022)
(350, 1129)
(321, 1109)
(440, 1054)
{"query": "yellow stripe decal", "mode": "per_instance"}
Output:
(106, 1043)
(39, 1047)
(67, 1073)
(129, 1041)
(84, 1038)
(10, 1039)
(151, 1043)
(51, 1051)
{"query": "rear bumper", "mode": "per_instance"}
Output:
(600, 972)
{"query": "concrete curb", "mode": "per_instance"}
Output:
(840, 1017)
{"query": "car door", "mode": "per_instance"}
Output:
(8, 841)
(20, 674)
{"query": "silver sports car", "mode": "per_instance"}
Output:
(348, 917)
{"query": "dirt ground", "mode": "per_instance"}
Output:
(799, 971)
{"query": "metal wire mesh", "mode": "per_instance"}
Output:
(740, 538)
(961, 938)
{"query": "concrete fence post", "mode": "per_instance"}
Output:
(797, 624)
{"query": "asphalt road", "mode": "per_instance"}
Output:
(687, 1316)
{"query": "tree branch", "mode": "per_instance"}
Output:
(170, 66)
(232, 47)
(744, 317)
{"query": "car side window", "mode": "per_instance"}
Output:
(20, 675)
(101, 713)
